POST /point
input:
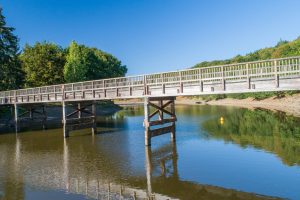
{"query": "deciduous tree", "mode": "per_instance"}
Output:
(43, 64)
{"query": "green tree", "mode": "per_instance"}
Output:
(84, 63)
(10, 71)
(43, 64)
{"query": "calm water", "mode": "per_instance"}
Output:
(248, 155)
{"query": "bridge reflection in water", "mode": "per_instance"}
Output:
(86, 166)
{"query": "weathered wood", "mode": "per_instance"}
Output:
(79, 122)
(162, 104)
(158, 110)
(146, 123)
(162, 121)
(161, 131)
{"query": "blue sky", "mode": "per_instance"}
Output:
(157, 35)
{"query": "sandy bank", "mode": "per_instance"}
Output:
(288, 104)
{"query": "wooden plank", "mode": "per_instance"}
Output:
(161, 98)
(163, 121)
(161, 131)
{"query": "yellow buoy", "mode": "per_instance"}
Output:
(221, 120)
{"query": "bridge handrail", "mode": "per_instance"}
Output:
(260, 68)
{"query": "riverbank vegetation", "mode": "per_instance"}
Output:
(282, 49)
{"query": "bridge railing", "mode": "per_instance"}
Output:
(264, 69)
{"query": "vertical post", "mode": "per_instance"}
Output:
(181, 84)
(79, 110)
(145, 86)
(16, 113)
(41, 96)
(93, 89)
(15, 95)
(248, 76)
(66, 132)
(44, 116)
(163, 88)
(104, 90)
(200, 80)
(173, 134)
(148, 169)
(174, 160)
(276, 74)
(146, 123)
(223, 78)
(55, 95)
(94, 111)
(30, 112)
(130, 91)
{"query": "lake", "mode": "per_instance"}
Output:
(219, 153)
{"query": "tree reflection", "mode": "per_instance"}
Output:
(263, 129)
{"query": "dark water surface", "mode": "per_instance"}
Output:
(251, 154)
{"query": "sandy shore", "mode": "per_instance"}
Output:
(289, 104)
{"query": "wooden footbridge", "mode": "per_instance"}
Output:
(159, 91)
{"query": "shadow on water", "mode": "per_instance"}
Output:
(38, 164)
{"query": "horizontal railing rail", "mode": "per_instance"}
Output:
(263, 69)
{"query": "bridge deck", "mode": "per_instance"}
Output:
(266, 75)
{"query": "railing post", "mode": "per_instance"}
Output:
(41, 96)
(200, 80)
(145, 86)
(15, 95)
(63, 92)
(248, 76)
(55, 95)
(181, 84)
(104, 86)
(276, 74)
(223, 78)
(93, 89)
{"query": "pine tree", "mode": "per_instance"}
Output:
(10, 68)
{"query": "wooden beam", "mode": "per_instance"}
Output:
(163, 121)
(161, 109)
(161, 131)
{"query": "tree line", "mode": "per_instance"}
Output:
(282, 49)
(46, 63)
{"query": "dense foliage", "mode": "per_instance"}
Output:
(10, 70)
(85, 63)
(282, 49)
(43, 64)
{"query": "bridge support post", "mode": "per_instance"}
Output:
(16, 113)
(64, 120)
(83, 116)
(165, 109)
(94, 121)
